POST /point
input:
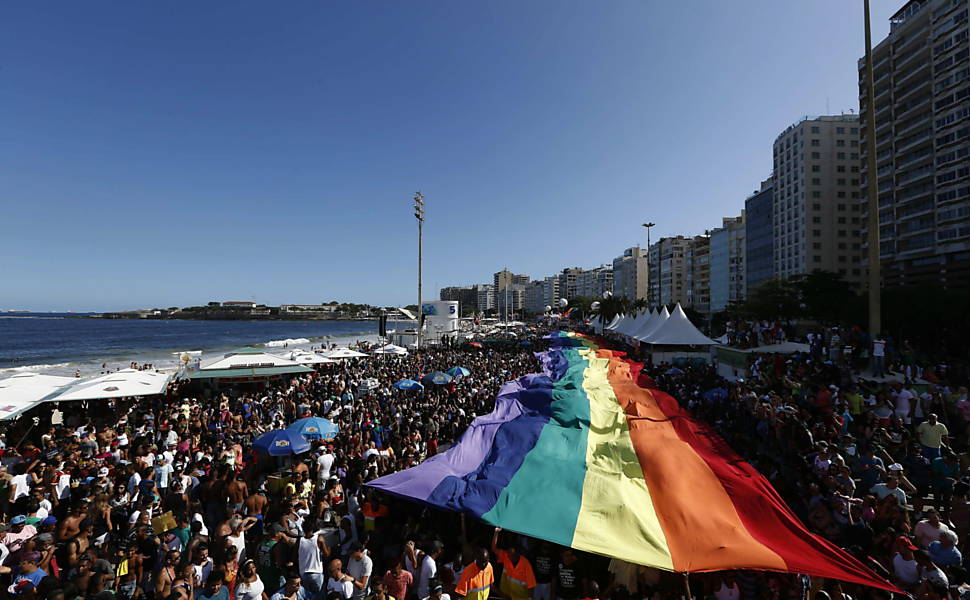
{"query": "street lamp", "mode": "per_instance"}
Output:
(419, 215)
(649, 270)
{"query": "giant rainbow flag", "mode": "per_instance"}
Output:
(590, 455)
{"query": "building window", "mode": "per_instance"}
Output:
(840, 143)
(840, 207)
(815, 130)
(841, 220)
(817, 258)
(816, 169)
(816, 206)
(816, 181)
(840, 168)
(840, 194)
(840, 181)
(840, 155)
(816, 194)
(815, 143)
(842, 233)
(817, 220)
(816, 233)
(840, 130)
(816, 245)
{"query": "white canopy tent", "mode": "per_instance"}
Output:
(630, 324)
(612, 324)
(309, 358)
(391, 349)
(658, 319)
(120, 384)
(340, 353)
(645, 325)
(24, 391)
(677, 330)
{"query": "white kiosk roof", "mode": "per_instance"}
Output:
(123, 383)
(24, 391)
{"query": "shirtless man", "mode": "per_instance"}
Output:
(167, 574)
(71, 525)
(238, 491)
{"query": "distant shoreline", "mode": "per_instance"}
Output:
(221, 317)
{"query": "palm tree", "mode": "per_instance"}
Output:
(613, 306)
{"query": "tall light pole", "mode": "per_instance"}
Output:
(649, 269)
(875, 266)
(419, 215)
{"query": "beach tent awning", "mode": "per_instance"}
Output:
(249, 372)
(24, 391)
(310, 358)
(391, 349)
(337, 353)
(677, 330)
(246, 358)
(120, 384)
(659, 319)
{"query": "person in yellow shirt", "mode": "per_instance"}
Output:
(477, 578)
(931, 434)
(518, 580)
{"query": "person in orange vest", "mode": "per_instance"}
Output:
(477, 578)
(372, 510)
(518, 580)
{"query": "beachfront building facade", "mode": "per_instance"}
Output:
(568, 280)
(697, 283)
(465, 295)
(759, 236)
(506, 277)
(630, 274)
(727, 263)
(594, 283)
(485, 296)
(668, 266)
(922, 134)
(542, 293)
(816, 202)
(511, 300)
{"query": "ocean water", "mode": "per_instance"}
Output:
(59, 345)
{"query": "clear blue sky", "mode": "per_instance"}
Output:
(172, 153)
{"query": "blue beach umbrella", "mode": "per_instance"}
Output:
(716, 395)
(281, 442)
(437, 378)
(314, 428)
(458, 372)
(673, 371)
(408, 384)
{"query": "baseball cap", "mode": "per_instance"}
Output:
(52, 520)
(18, 520)
(906, 542)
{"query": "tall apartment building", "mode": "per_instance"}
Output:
(465, 295)
(668, 266)
(567, 282)
(506, 277)
(759, 237)
(511, 299)
(728, 250)
(697, 283)
(816, 201)
(922, 131)
(595, 282)
(630, 274)
(542, 293)
(486, 297)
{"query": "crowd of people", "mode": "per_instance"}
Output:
(165, 498)
(878, 465)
